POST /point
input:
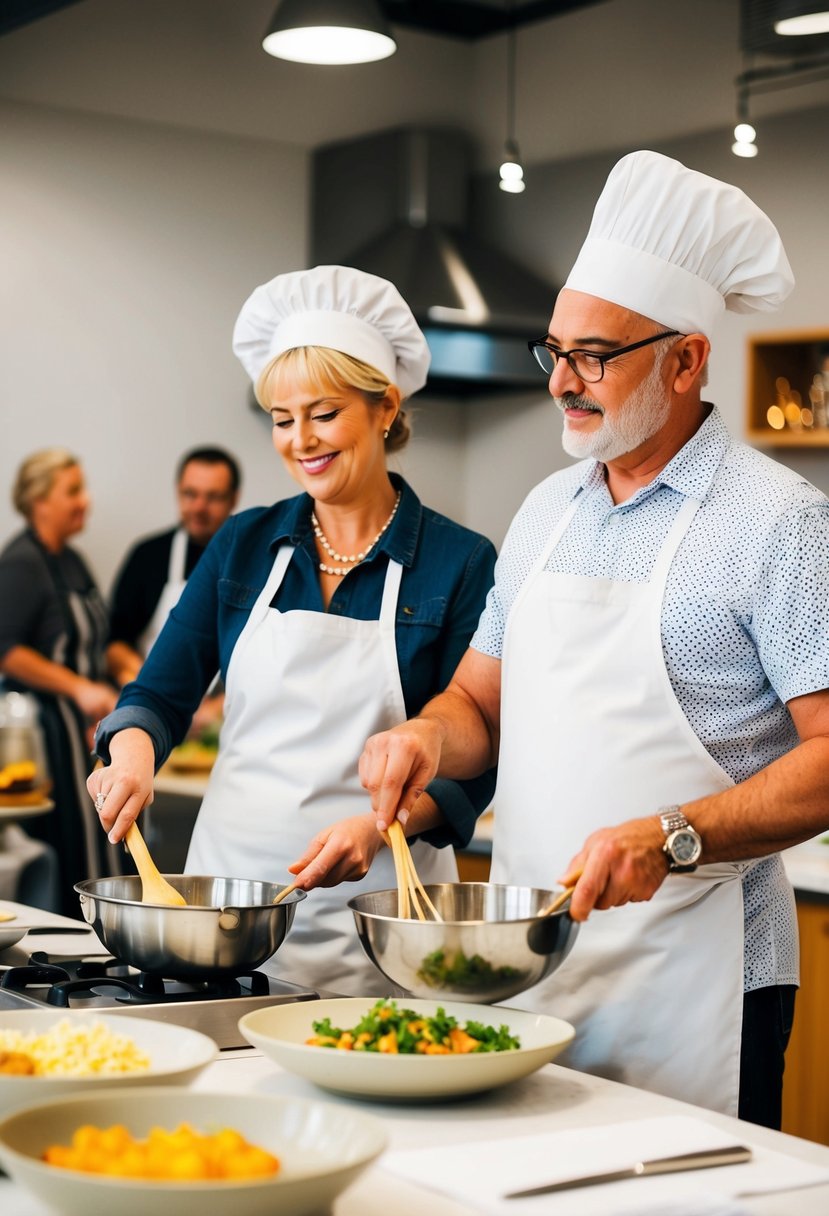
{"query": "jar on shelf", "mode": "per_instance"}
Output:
(23, 767)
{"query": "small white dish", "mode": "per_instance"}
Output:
(177, 1054)
(321, 1149)
(10, 933)
(281, 1031)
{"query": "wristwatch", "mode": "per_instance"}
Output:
(683, 845)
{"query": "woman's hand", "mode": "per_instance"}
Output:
(342, 852)
(122, 789)
(93, 699)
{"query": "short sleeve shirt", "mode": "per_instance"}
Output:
(743, 619)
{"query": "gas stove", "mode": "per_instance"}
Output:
(97, 985)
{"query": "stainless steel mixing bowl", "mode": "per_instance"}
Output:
(229, 925)
(490, 946)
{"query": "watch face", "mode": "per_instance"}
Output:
(685, 847)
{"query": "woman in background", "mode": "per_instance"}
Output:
(328, 614)
(52, 637)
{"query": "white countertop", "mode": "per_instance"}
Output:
(553, 1099)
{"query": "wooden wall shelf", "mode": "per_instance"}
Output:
(793, 357)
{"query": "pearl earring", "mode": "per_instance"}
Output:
(385, 434)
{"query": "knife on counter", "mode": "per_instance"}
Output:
(702, 1160)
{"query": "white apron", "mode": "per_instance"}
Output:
(304, 691)
(170, 592)
(592, 735)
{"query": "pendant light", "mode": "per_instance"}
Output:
(329, 32)
(745, 136)
(799, 18)
(511, 171)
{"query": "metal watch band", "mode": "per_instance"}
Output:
(672, 819)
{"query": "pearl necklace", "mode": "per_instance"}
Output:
(352, 558)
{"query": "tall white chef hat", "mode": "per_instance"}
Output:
(339, 307)
(679, 247)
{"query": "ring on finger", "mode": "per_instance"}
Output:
(100, 799)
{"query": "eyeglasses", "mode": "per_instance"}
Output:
(587, 364)
(213, 497)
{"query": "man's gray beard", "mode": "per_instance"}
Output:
(644, 413)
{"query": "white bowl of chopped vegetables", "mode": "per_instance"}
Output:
(405, 1049)
(46, 1053)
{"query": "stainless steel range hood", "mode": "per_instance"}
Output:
(396, 204)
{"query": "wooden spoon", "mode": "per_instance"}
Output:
(277, 899)
(155, 889)
(560, 899)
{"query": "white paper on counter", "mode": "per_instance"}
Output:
(492, 1167)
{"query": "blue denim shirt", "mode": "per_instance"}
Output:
(447, 572)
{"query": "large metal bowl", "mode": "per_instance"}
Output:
(490, 946)
(230, 925)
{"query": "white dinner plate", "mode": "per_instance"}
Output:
(177, 1055)
(321, 1148)
(11, 932)
(281, 1031)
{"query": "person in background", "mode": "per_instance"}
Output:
(652, 668)
(331, 614)
(52, 638)
(156, 569)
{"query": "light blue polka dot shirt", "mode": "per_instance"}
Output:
(743, 619)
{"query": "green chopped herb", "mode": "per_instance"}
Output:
(456, 970)
(386, 1029)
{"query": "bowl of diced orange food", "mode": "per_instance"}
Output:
(192, 1154)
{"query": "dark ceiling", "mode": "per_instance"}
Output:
(456, 18)
(472, 19)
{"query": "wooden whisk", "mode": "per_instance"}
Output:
(412, 899)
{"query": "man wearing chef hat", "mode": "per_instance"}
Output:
(652, 666)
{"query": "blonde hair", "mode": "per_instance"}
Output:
(321, 365)
(36, 476)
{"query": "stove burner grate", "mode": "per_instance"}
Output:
(80, 979)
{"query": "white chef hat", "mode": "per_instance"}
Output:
(680, 247)
(339, 307)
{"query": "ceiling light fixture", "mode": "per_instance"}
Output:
(766, 29)
(329, 32)
(511, 171)
(799, 18)
(745, 136)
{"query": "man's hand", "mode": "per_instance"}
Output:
(94, 699)
(618, 865)
(397, 765)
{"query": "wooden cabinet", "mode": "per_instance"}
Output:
(788, 373)
(806, 1079)
(472, 867)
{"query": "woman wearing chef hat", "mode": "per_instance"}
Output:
(331, 616)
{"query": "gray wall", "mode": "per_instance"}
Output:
(128, 247)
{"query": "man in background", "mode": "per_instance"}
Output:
(155, 570)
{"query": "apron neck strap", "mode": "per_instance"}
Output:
(391, 591)
(178, 557)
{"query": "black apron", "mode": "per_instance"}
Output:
(73, 828)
